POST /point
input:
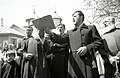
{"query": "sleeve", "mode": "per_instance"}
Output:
(96, 43)
(21, 50)
(17, 75)
(59, 39)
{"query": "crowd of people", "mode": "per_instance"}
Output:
(65, 55)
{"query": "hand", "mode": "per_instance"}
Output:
(29, 56)
(113, 60)
(17, 57)
(50, 56)
(82, 51)
(48, 30)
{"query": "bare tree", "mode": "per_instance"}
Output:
(102, 8)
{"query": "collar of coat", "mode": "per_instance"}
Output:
(111, 30)
(80, 27)
(25, 38)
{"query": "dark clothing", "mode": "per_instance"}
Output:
(10, 70)
(59, 63)
(34, 68)
(43, 50)
(80, 66)
(28, 67)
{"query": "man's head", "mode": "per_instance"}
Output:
(29, 31)
(109, 21)
(61, 28)
(78, 18)
(10, 55)
(41, 33)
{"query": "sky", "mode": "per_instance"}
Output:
(17, 11)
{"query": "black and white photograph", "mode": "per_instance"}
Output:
(59, 38)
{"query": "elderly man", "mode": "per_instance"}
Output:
(111, 38)
(83, 40)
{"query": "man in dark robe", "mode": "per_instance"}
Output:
(43, 48)
(29, 55)
(84, 41)
(60, 59)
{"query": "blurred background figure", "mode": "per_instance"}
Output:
(43, 48)
(10, 69)
(111, 38)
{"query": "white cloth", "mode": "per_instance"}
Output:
(100, 63)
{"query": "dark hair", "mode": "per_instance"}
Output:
(29, 27)
(61, 24)
(80, 13)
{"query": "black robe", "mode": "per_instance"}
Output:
(59, 63)
(33, 68)
(43, 51)
(10, 70)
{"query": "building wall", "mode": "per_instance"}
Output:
(9, 39)
(3, 39)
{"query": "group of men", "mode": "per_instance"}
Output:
(71, 54)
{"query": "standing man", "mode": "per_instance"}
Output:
(83, 41)
(29, 55)
(43, 49)
(60, 60)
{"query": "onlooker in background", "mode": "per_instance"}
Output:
(84, 41)
(59, 62)
(111, 36)
(29, 55)
(43, 49)
(10, 69)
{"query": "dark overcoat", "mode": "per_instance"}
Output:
(59, 63)
(37, 67)
(10, 70)
(43, 51)
(28, 67)
(80, 66)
